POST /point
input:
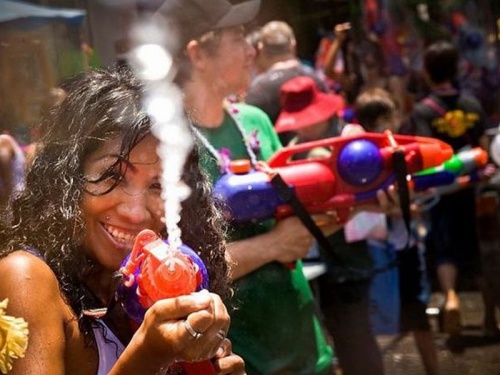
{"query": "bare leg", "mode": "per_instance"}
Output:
(427, 350)
(490, 326)
(447, 276)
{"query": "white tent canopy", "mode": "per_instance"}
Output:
(11, 10)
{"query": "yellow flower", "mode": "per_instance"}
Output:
(13, 338)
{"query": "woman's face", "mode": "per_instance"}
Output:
(114, 219)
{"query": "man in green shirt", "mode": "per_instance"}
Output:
(274, 324)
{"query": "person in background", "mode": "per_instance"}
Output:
(340, 62)
(344, 288)
(54, 97)
(92, 187)
(278, 62)
(458, 119)
(12, 168)
(253, 38)
(359, 63)
(377, 111)
(274, 325)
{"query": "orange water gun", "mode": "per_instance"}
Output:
(155, 271)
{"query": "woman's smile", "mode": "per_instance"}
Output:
(121, 236)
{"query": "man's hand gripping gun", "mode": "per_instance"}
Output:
(154, 271)
(355, 169)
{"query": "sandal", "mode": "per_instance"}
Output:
(451, 321)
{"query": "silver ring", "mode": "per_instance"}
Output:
(221, 334)
(192, 332)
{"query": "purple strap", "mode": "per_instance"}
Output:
(432, 104)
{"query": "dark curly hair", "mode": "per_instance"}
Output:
(100, 105)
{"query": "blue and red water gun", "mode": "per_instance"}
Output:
(154, 271)
(355, 169)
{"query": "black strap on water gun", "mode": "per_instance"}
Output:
(289, 196)
(325, 248)
(400, 172)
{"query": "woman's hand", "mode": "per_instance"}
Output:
(226, 362)
(189, 328)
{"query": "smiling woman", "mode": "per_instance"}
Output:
(92, 187)
(124, 199)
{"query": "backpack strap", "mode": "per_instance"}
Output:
(431, 103)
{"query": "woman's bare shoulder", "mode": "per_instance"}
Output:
(33, 294)
(24, 275)
(22, 263)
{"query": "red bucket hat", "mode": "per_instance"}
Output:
(303, 104)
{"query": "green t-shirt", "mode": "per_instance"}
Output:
(274, 326)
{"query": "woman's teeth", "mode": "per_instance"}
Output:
(119, 235)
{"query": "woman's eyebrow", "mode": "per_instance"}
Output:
(133, 165)
(145, 162)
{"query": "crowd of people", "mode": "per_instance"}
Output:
(71, 214)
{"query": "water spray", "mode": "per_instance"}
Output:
(158, 269)
(152, 61)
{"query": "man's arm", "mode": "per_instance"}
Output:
(287, 242)
(341, 32)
